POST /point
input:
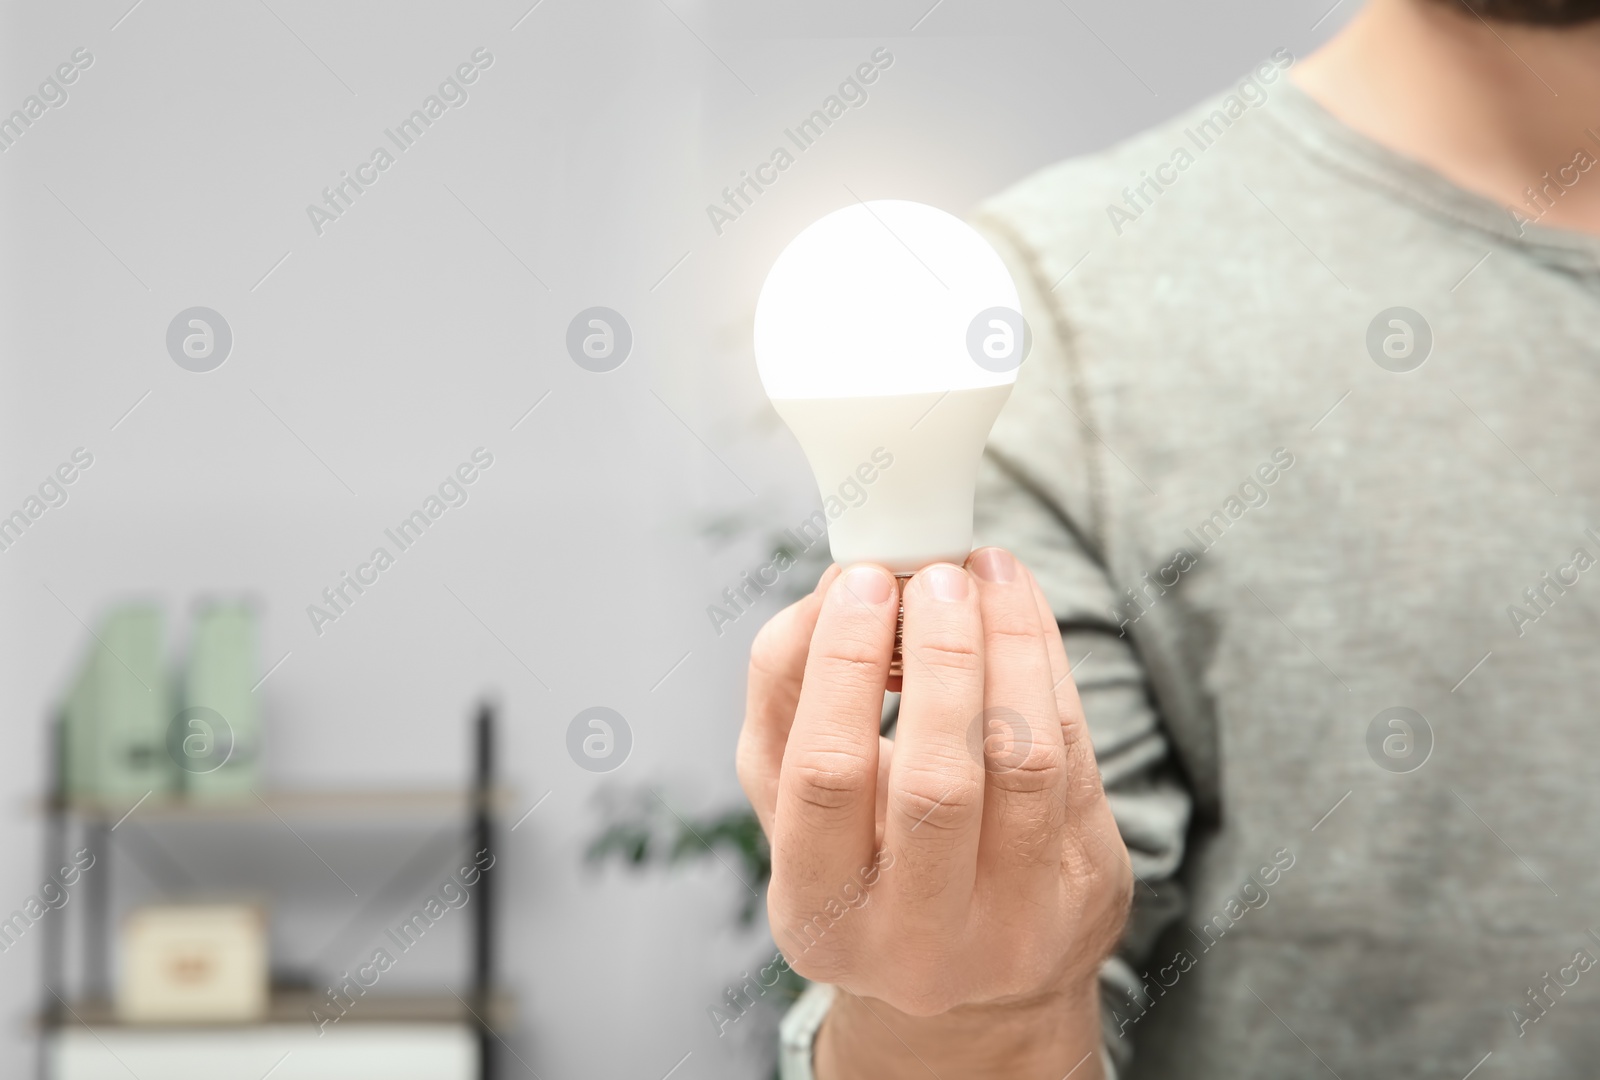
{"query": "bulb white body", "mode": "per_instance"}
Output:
(917, 509)
(866, 339)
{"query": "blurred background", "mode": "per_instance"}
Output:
(343, 366)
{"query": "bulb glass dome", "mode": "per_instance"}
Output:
(879, 298)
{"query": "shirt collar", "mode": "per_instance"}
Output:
(1346, 150)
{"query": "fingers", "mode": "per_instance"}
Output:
(1092, 843)
(1083, 772)
(934, 811)
(822, 832)
(1060, 667)
(777, 662)
(885, 762)
(1021, 741)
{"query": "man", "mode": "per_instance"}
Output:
(1302, 466)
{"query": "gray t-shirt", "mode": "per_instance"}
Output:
(1326, 572)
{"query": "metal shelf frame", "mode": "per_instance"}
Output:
(98, 820)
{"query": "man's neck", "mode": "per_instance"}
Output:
(1492, 106)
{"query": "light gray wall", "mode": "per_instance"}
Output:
(423, 324)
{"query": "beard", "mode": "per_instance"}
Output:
(1534, 12)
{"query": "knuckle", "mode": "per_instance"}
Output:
(813, 941)
(743, 767)
(1104, 879)
(946, 637)
(1083, 770)
(947, 651)
(809, 948)
(1074, 725)
(853, 652)
(1121, 894)
(1010, 625)
(1028, 769)
(834, 672)
(829, 779)
(1105, 910)
(936, 800)
(753, 778)
(775, 649)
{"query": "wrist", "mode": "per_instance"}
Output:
(1046, 1037)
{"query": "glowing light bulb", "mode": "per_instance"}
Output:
(891, 330)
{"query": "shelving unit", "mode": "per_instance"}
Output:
(432, 1032)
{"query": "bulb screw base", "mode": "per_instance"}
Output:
(896, 661)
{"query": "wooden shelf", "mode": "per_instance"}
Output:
(294, 1007)
(424, 1035)
(305, 803)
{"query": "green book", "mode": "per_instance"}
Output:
(220, 727)
(118, 711)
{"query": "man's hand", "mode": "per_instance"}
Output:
(962, 883)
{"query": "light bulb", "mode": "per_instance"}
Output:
(891, 330)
